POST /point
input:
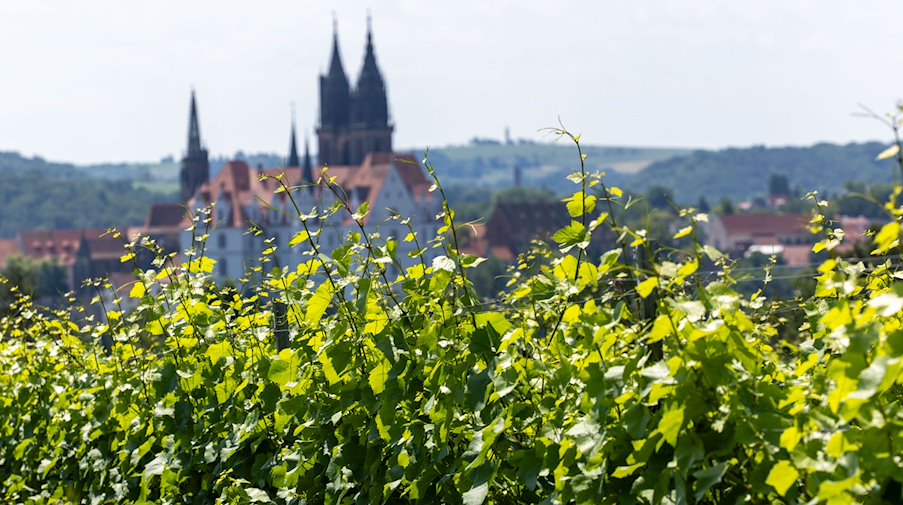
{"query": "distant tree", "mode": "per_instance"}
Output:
(42, 280)
(489, 278)
(778, 185)
(660, 197)
(525, 195)
(703, 205)
(863, 201)
(725, 207)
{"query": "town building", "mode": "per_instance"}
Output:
(739, 235)
(82, 253)
(354, 136)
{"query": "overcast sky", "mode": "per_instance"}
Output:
(109, 80)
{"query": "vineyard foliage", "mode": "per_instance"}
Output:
(592, 380)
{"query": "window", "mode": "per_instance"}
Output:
(221, 240)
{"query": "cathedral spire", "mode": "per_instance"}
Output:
(194, 129)
(336, 69)
(293, 160)
(195, 170)
(308, 169)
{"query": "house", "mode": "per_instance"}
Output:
(83, 254)
(740, 234)
(388, 183)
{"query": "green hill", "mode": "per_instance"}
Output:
(490, 165)
(743, 173)
(37, 194)
(472, 172)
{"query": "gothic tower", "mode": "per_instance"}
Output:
(353, 122)
(195, 169)
(370, 130)
(307, 168)
(293, 160)
(335, 94)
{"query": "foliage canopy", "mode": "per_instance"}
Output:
(590, 381)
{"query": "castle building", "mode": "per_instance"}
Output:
(354, 136)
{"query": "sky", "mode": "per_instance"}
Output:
(109, 80)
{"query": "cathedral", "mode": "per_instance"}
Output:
(354, 140)
(353, 121)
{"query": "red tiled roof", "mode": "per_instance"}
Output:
(106, 247)
(59, 245)
(764, 224)
(165, 215)
(241, 186)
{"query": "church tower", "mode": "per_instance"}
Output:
(335, 97)
(307, 168)
(353, 122)
(195, 169)
(293, 160)
(370, 129)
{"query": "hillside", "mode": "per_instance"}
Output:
(472, 173)
(37, 194)
(491, 165)
(743, 173)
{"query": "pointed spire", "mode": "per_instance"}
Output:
(370, 107)
(369, 54)
(293, 160)
(334, 89)
(194, 129)
(308, 174)
(369, 32)
(336, 70)
(195, 170)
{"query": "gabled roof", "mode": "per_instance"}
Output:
(241, 187)
(765, 224)
(105, 247)
(59, 245)
(165, 215)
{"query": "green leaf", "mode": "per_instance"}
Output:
(155, 466)
(645, 288)
(888, 153)
(19, 451)
(683, 232)
(790, 438)
(282, 370)
(218, 351)
(379, 375)
(328, 369)
(318, 303)
(626, 471)
(706, 479)
(477, 493)
(257, 495)
(443, 263)
(579, 205)
(362, 211)
(138, 290)
(300, 237)
(571, 235)
(671, 422)
(782, 476)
